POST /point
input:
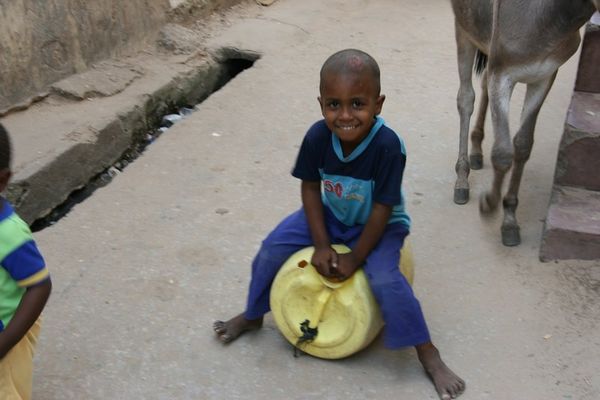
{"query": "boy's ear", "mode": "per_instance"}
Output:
(379, 104)
(5, 175)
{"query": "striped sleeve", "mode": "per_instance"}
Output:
(19, 253)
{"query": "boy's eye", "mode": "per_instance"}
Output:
(357, 103)
(333, 104)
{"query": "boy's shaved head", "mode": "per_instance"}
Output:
(5, 152)
(351, 61)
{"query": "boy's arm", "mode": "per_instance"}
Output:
(374, 228)
(324, 255)
(29, 309)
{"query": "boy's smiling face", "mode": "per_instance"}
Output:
(349, 103)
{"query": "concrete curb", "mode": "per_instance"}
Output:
(97, 141)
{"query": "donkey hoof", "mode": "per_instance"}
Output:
(461, 196)
(486, 207)
(476, 161)
(511, 236)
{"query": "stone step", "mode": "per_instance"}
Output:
(578, 162)
(587, 73)
(572, 227)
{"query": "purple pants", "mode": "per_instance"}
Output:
(404, 321)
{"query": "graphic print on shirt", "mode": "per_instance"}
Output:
(349, 198)
(355, 191)
(336, 188)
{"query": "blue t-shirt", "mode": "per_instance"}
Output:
(371, 173)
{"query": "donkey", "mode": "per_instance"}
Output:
(520, 41)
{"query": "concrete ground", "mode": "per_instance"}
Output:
(143, 267)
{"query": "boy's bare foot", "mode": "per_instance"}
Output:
(447, 384)
(228, 331)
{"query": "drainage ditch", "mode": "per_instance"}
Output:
(161, 117)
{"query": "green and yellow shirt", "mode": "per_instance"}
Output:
(21, 264)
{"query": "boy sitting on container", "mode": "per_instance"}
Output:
(24, 289)
(351, 166)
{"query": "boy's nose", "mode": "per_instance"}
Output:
(346, 113)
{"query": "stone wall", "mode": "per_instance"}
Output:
(572, 226)
(43, 41)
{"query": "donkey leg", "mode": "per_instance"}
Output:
(476, 156)
(464, 101)
(523, 143)
(500, 88)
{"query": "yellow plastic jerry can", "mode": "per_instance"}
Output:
(323, 318)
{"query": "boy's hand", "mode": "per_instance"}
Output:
(332, 265)
(325, 260)
(347, 264)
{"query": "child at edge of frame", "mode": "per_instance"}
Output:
(25, 286)
(358, 162)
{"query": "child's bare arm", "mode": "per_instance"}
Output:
(324, 255)
(27, 313)
(374, 228)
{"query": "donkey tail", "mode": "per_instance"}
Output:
(480, 62)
